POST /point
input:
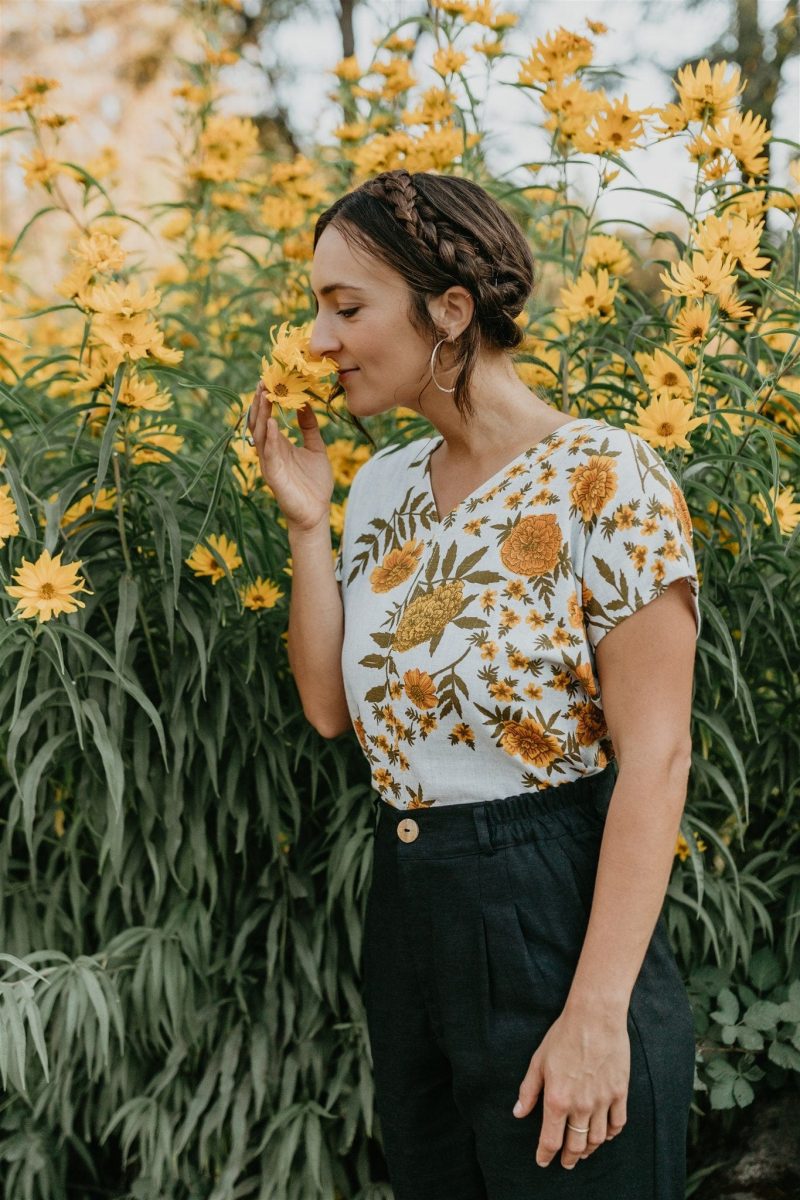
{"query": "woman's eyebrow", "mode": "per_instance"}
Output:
(332, 287)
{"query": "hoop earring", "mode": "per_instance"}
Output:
(433, 375)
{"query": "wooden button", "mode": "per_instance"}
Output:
(408, 829)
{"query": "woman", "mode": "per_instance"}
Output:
(517, 663)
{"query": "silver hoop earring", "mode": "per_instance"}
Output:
(433, 375)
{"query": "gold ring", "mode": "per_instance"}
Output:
(577, 1128)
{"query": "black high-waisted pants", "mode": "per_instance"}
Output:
(472, 933)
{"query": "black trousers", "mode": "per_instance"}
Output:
(475, 919)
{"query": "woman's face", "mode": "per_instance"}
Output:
(362, 324)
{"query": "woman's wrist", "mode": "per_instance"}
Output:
(600, 1007)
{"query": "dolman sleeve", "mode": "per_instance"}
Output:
(637, 535)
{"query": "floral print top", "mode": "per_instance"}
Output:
(469, 645)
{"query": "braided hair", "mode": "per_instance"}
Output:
(437, 231)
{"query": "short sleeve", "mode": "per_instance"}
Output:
(337, 565)
(637, 537)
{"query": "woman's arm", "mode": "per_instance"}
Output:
(645, 665)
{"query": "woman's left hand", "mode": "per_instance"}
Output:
(582, 1065)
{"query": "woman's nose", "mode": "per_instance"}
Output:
(322, 341)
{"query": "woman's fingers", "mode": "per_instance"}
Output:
(575, 1141)
(597, 1131)
(617, 1116)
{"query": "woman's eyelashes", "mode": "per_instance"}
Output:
(347, 312)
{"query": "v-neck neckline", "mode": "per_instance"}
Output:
(488, 483)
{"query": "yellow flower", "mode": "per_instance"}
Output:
(744, 135)
(705, 94)
(260, 594)
(100, 253)
(787, 509)
(663, 375)
(9, 524)
(32, 93)
(616, 127)
(665, 423)
(447, 60)
(48, 587)
(556, 56)
(122, 299)
(604, 250)
(283, 387)
(706, 276)
(282, 212)
(203, 562)
(589, 297)
(691, 325)
(682, 846)
(133, 337)
(733, 234)
(147, 443)
(177, 224)
(39, 168)
(348, 69)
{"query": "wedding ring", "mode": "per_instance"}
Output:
(251, 441)
(577, 1128)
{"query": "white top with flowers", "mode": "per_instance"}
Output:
(469, 647)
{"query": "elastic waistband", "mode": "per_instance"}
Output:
(484, 826)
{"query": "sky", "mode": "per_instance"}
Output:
(308, 46)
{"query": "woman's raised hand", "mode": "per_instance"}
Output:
(301, 477)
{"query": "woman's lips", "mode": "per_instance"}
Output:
(349, 371)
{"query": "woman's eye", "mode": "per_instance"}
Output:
(346, 312)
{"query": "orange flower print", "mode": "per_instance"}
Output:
(574, 614)
(428, 615)
(358, 725)
(585, 676)
(420, 689)
(528, 740)
(590, 723)
(593, 484)
(533, 545)
(397, 566)
(682, 509)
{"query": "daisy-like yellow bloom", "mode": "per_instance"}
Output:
(351, 131)
(744, 135)
(453, 8)
(283, 212)
(615, 128)
(203, 562)
(733, 234)
(596, 27)
(46, 588)
(39, 169)
(604, 250)
(348, 69)
(208, 245)
(665, 423)
(176, 224)
(682, 846)
(705, 94)
(664, 377)
(9, 524)
(33, 92)
(260, 594)
(286, 388)
(122, 299)
(448, 60)
(99, 253)
(589, 297)
(106, 500)
(147, 443)
(398, 77)
(691, 325)
(483, 14)
(787, 509)
(572, 106)
(707, 276)
(556, 56)
(732, 307)
(133, 337)
(226, 145)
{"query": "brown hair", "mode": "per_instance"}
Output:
(437, 231)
